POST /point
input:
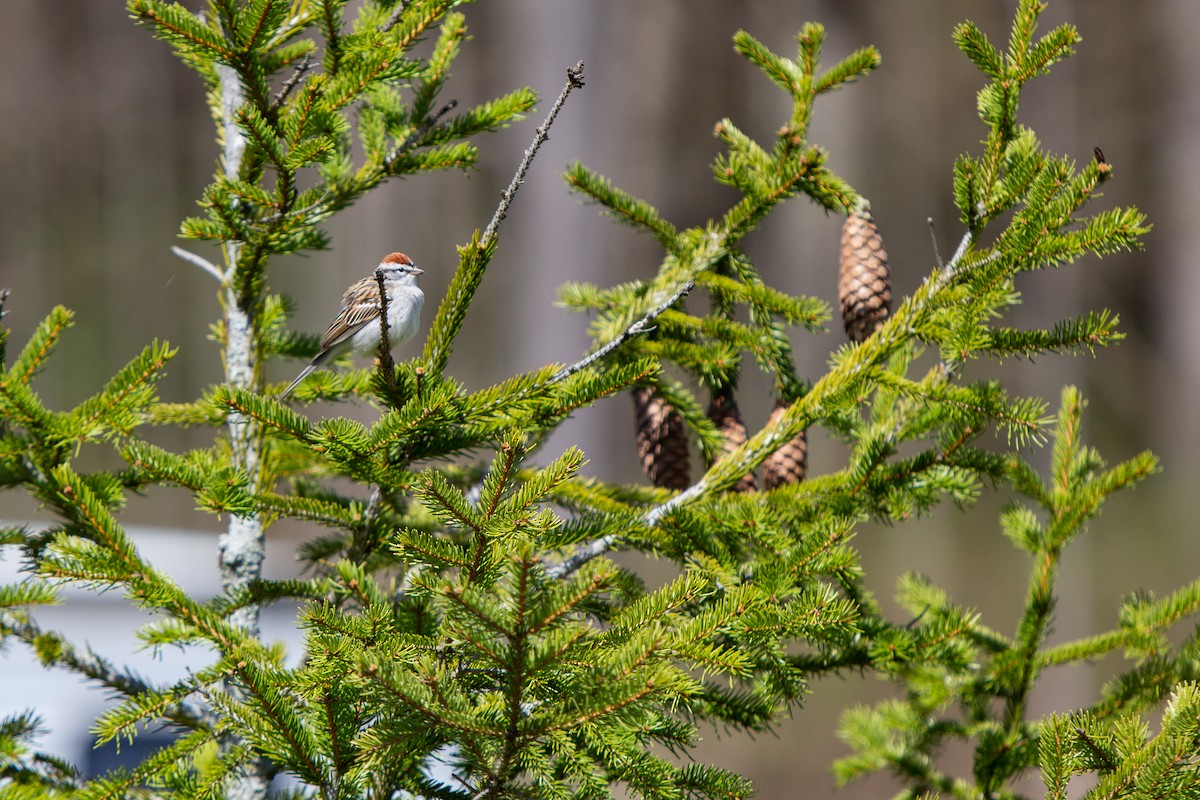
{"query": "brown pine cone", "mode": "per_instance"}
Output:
(788, 464)
(662, 441)
(723, 411)
(864, 280)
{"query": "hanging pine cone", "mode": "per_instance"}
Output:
(662, 441)
(724, 413)
(864, 281)
(788, 464)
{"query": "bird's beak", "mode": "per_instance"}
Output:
(414, 270)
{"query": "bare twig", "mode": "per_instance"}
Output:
(386, 365)
(593, 549)
(959, 252)
(937, 253)
(3, 300)
(600, 546)
(456, 303)
(401, 7)
(293, 79)
(574, 81)
(633, 330)
(198, 261)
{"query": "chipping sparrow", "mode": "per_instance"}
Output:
(356, 328)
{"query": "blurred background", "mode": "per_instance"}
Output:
(106, 143)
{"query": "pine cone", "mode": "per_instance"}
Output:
(788, 464)
(662, 441)
(723, 411)
(864, 280)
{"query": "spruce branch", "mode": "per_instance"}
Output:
(359, 544)
(623, 206)
(860, 363)
(1098, 752)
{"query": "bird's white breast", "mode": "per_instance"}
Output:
(404, 313)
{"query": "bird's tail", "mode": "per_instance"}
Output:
(303, 374)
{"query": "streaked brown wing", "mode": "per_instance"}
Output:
(363, 290)
(360, 304)
(349, 322)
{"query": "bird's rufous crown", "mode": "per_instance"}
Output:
(397, 258)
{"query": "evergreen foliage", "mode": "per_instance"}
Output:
(467, 618)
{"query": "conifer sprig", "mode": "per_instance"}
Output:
(991, 675)
(29, 772)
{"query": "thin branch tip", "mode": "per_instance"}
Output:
(401, 7)
(937, 252)
(574, 81)
(575, 75)
(198, 261)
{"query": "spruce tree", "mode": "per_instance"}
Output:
(469, 619)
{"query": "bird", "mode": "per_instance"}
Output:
(356, 328)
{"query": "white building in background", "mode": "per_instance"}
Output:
(108, 623)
